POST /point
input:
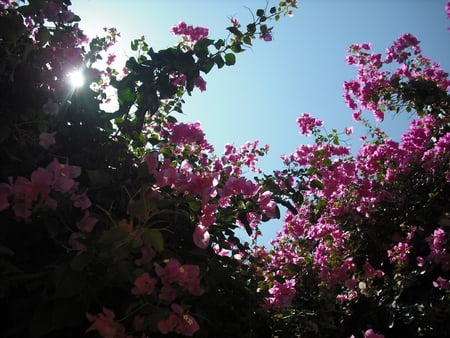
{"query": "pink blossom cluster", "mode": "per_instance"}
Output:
(186, 276)
(179, 322)
(246, 155)
(447, 10)
(266, 35)
(282, 294)
(190, 33)
(179, 80)
(399, 253)
(216, 181)
(106, 325)
(438, 243)
(169, 281)
(27, 196)
(374, 82)
(354, 187)
(370, 333)
(349, 185)
(308, 124)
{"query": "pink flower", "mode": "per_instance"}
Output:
(74, 242)
(168, 324)
(235, 22)
(190, 33)
(52, 11)
(41, 180)
(170, 273)
(357, 115)
(437, 242)
(63, 176)
(189, 279)
(87, 223)
(147, 256)
(152, 161)
(282, 294)
(144, 285)
(46, 140)
(179, 322)
(371, 272)
(187, 133)
(105, 325)
(402, 47)
(371, 334)
(111, 58)
(186, 276)
(267, 204)
(168, 293)
(200, 83)
(266, 34)
(201, 236)
(81, 201)
(5, 192)
(208, 218)
(441, 283)
(308, 124)
(349, 130)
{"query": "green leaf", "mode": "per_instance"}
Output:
(112, 236)
(235, 31)
(260, 12)
(98, 177)
(317, 184)
(219, 44)
(290, 207)
(134, 45)
(219, 61)
(207, 66)
(137, 208)
(43, 36)
(236, 46)
(166, 152)
(251, 28)
(79, 262)
(243, 218)
(153, 239)
(247, 40)
(126, 95)
(230, 59)
(201, 47)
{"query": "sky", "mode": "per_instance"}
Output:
(301, 70)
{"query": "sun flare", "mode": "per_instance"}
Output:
(76, 79)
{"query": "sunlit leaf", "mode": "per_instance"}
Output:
(153, 239)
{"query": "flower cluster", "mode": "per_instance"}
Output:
(190, 33)
(339, 236)
(179, 322)
(27, 196)
(378, 90)
(308, 124)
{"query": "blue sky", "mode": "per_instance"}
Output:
(301, 70)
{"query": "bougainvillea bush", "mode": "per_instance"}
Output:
(367, 252)
(121, 224)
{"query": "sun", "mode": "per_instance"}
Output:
(76, 79)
